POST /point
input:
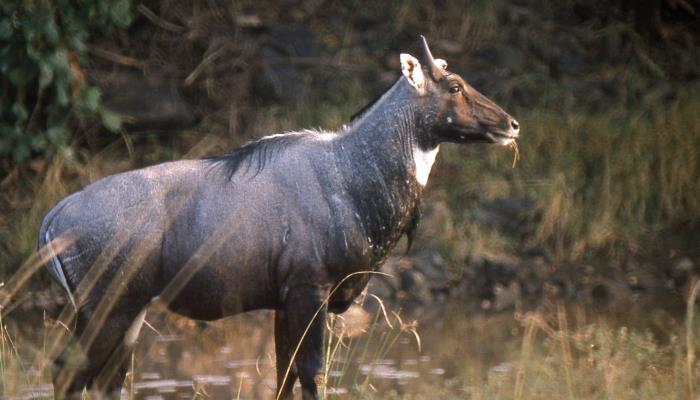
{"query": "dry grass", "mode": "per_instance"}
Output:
(553, 352)
(614, 178)
(600, 181)
(610, 182)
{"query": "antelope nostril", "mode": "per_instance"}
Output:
(514, 124)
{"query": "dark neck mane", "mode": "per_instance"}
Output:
(255, 155)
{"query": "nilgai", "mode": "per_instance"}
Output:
(276, 224)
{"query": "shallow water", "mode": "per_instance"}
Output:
(178, 358)
(235, 359)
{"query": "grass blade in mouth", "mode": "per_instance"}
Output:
(516, 152)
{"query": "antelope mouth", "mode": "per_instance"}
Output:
(502, 138)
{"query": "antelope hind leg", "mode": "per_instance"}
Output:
(303, 304)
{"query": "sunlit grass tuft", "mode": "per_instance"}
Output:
(357, 344)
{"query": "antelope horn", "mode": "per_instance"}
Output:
(435, 70)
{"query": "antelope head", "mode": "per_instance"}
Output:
(453, 110)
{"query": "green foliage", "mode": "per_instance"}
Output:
(44, 93)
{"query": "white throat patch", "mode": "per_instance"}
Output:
(424, 162)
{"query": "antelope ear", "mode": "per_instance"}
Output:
(441, 63)
(410, 67)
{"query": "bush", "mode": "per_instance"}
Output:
(44, 92)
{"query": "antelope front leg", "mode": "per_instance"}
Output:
(305, 314)
(284, 349)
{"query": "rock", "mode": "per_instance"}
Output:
(601, 294)
(505, 212)
(414, 285)
(555, 288)
(279, 77)
(146, 102)
(506, 296)
(681, 271)
(500, 271)
(491, 283)
(434, 269)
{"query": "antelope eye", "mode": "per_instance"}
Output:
(455, 89)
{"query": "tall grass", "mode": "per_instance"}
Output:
(553, 352)
(592, 361)
(356, 344)
(615, 180)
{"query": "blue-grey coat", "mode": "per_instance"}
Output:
(277, 224)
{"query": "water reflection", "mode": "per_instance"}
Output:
(461, 352)
(234, 358)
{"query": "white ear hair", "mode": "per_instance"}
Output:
(411, 69)
(441, 63)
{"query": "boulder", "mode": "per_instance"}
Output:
(146, 102)
(280, 77)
